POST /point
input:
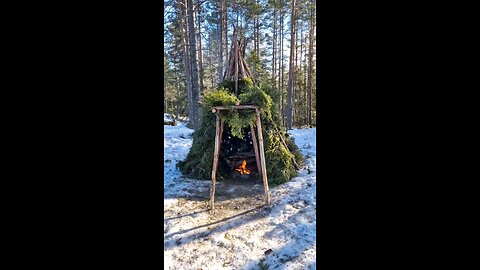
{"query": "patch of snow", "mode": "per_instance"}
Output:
(242, 234)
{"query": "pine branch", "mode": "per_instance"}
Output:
(286, 147)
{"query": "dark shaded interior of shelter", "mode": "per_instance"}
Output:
(237, 157)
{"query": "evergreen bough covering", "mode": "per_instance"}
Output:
(199, 161)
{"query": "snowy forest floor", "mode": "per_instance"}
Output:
(243, 233)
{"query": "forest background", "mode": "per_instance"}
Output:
(280, 51)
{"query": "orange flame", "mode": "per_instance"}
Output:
(242, 169)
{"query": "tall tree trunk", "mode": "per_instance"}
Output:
(177, 85)
(279, 61)
(200, 53)
(165, 97)
(254, 33)
(300, 80)
(305, 92)
(254, 64)
(282, 71)
(257, 30)
(310, 67)
(291, 70)
(274, 42)
(193, 66)
(177, 104)
(186, 62)
(295, 86)
(220, 57)
(225, 30)
(210, 62)
(304, 79)
(258, 36)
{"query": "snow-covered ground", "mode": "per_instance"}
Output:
(242, 233)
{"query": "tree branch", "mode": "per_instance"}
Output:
(199, 4)
(181, 3)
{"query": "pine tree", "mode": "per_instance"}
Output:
(193, 66)
(198, 63)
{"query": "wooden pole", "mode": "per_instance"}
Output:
(255, 148)
(262, 156)
(229, 72)
(215, 162)
(221, 135)
(240, 67)
(247, 70)
(236, 67)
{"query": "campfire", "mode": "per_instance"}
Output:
(242, 169)
(238, 154)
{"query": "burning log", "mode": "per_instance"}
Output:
(242, 169)
(236, 163)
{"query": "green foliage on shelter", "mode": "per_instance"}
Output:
(199, 161)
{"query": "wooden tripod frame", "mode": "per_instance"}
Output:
(259, 150)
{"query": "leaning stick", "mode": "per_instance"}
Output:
(215, 163)
(262, 156)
